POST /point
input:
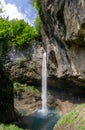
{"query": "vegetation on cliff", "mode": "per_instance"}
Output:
(19, 88)
(74, 120)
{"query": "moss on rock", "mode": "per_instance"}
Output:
(74, 120)
(18, 87)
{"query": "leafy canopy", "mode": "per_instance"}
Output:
(16, 32)
(22, 32)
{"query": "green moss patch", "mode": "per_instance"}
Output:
(24, 87)
(74, 120)
(10, 127)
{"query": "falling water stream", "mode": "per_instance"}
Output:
(43, 118)
(44, 84)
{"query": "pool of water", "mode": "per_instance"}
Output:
(39, 121)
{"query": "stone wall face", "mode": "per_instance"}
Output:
(25, 64)
(63, 33)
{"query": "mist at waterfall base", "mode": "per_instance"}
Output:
(44, 118)
(38, 121)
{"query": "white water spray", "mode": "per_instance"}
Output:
(44, 84)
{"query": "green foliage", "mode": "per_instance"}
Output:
(5, 36)
(10, 127)
(16, 33)
(36, 4)
(30, 89)
(5, 30)
(23, 33)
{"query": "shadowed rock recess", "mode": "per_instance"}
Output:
(6, 97)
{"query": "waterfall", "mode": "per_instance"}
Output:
(44, 84)
(43, 118)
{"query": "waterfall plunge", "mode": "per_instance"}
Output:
(45, 118)
(44, 84)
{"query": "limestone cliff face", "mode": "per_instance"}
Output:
(63, 33)
(25, 64)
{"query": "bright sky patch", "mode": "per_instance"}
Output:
(20, 9)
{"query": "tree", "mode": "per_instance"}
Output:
(16, 33)
(5, 36)
(23, 33)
